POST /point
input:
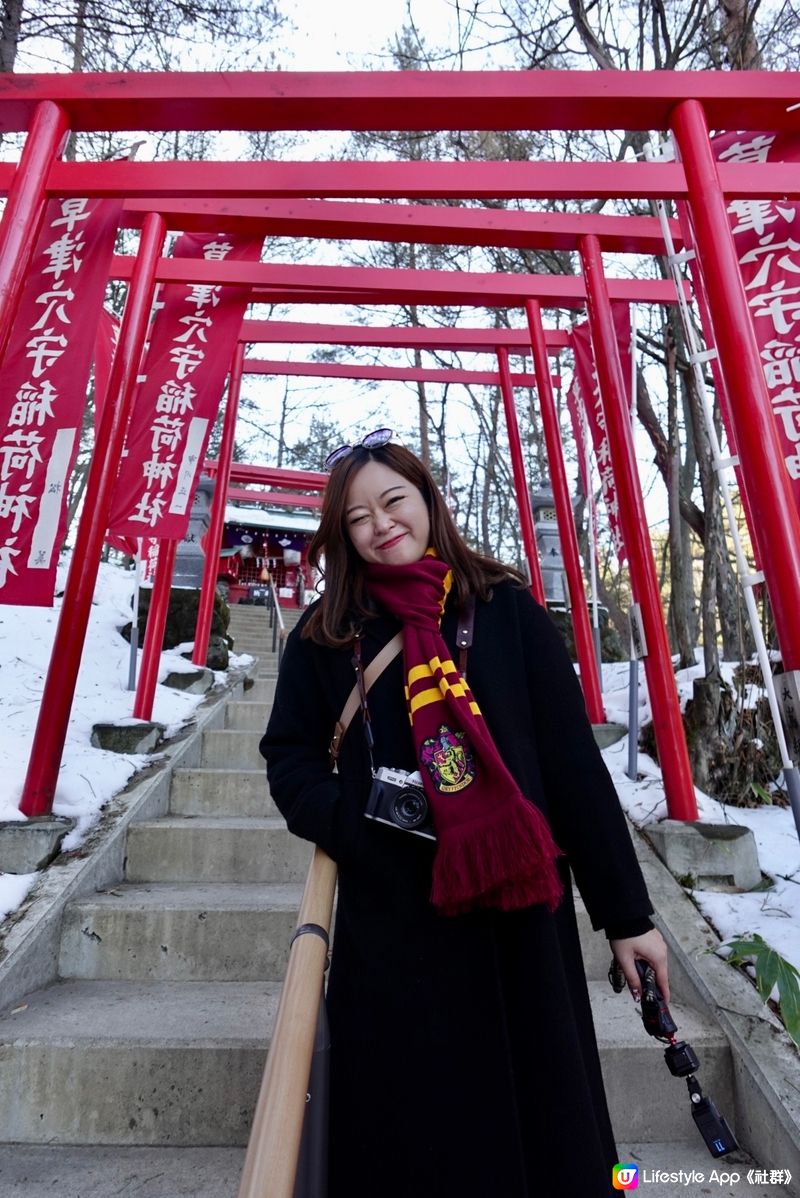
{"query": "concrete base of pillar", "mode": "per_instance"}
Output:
(608, 734)
(139, 736)
(29, 845)
(708, 856)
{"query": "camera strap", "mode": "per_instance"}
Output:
(464, 634)
(365, 678)
(358, 695)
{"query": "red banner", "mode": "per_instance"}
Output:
(767, 238)
(577, 418)
(45, 377)
(149, 560)
(588, 394)
(191, 346)
(105, 346)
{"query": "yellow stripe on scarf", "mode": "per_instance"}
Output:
(447, 582)
(428, 668)
(442, 685)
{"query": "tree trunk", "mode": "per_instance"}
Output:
(681, 593)
(738, 641)
(9, 33)
(282, 425)
(490, 478)
(644, 410)
(422, 399)
(79, 44)
(738, 34)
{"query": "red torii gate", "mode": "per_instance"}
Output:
(685, 101)
(270, 477)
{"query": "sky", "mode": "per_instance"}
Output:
(340, 36)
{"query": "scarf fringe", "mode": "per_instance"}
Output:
(507, 863)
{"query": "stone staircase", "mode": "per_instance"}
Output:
(137, 1072)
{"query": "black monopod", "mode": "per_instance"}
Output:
(680, 1057)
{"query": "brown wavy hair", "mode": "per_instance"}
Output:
(345, 604)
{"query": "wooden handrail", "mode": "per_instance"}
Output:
(271, 1161)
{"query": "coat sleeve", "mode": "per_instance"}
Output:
(305, 790)
(585, 813)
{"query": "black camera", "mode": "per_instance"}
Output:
(397, 799)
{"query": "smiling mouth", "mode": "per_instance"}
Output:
(393, 541)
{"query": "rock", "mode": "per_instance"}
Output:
(195, 682)
(182, 618)
(218, 653)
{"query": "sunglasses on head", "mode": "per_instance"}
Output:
(381, 436)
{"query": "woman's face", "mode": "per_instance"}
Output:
(386, 517)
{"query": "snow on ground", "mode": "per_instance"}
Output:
(774, 913)
(88, 777)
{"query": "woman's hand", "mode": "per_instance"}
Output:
(651, 948)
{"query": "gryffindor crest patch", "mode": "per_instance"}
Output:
(449, 760)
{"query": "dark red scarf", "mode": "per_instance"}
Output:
(494, 847)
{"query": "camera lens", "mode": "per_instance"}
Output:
(409, 808)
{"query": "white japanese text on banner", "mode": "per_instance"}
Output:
(190, 351)
(45, 376)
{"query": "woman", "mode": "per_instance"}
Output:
(464, 1063)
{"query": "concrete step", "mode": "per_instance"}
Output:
(263, 691)
(178, 1063)
(260, 646)
(223, 748)
(88, 1062)
(249, 613)
(208, 932)
(247, 715)
(240, 793)
(642, 1093)
(34, 1171)
(178, 849)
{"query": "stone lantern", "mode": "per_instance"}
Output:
(190, 558)
(549, 545)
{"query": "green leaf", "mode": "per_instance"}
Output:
(743, 948)
(772, 970)
(763, 795)
(768, 966)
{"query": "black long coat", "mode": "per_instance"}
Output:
(464, 1062)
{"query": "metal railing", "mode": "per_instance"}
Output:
(276, 623)
(271, 1162)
